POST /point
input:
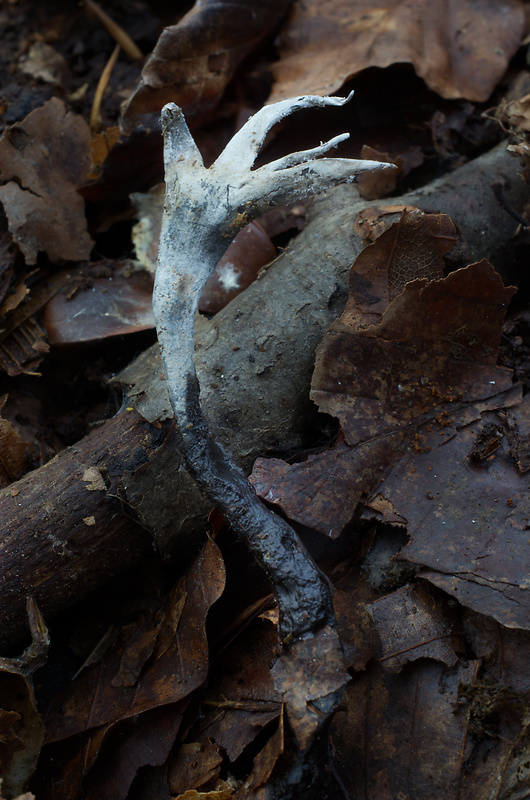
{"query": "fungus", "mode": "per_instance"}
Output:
(203, 207)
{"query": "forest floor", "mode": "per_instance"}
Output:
(363, 355)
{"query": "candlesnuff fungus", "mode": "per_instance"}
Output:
(203, 208)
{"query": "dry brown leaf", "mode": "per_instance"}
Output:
(516, 114)
(21, 351)
(411, 248)
(45, 64)
(381, 182)
(224, 793)
(461, 48)
(352, 605)
(372, 221)
(436, 346)
(323, 491)
(241, 698)
(194, 60)
(100, 146)
(142, 741)
(430, 361)
(378, 380)
(420, 713)
(264, 765)
(45, 158)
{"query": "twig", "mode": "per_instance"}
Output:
(118, 34)
(203, 208)
(95, 115)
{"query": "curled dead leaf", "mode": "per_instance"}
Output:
(48, 155)
(194, 60)
(460, 50)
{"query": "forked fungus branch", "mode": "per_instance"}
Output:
(204, 209)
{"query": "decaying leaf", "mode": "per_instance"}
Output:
(175, 664)
(374, 185)
(223, 793)
(434, 349)
(194, 60)
(409, 249)
(242, 698)
(461, 48)
(413, 699)
(372, 221)
(516, 113)
(194, 765)
(408, 717)
(309, 676)
(22, 349)
(352, 605)
(142, 741)
(384, 373)
(13, 452)
(412, 623)
(21, 729)
(481, 507)
(323, 491)
(43, 62)
(264, 765)
(8, 254)
(46, 158)
(100, 146)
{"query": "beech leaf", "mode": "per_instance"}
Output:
(46, 158)
(461, 48)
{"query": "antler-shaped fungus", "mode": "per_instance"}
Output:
(203, 207)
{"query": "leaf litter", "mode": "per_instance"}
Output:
(450, 45)
(432, 457)
(433, 437)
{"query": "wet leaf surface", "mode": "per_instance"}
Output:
(107, 307)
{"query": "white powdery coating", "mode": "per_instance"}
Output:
(228, 277)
